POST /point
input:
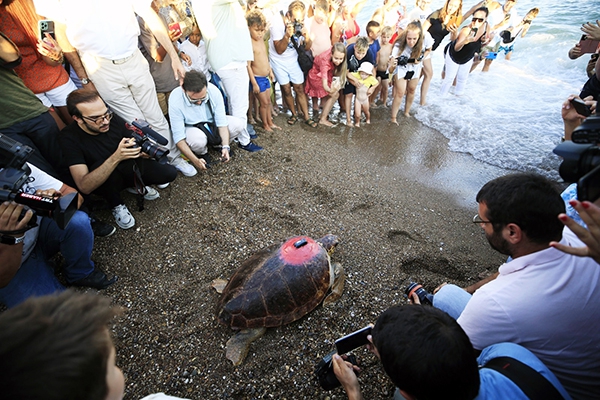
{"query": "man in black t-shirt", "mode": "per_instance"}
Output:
(103, 158)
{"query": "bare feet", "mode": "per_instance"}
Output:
(407, 115)
(368, 121)
(267, 128)
(325, 123)
(349, 122)
(393, 120)
(275, 126)
(357, 124)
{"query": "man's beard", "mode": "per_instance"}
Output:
(94, 128)
(499, 244)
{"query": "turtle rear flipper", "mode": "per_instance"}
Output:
(238, 345)
(338, 285)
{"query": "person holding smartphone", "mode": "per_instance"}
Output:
(427, 355)
(460, 53)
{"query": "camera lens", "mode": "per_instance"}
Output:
(425, 297)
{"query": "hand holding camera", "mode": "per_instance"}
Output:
(127, 149)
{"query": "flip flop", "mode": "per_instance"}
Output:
(310, 122)
(292, 120)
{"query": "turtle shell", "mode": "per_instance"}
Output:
(278, 285)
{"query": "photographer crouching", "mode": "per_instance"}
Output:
(106, 155)
(427, 355)
(28, 241)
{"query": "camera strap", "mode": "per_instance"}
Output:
(140, 188)
(532, 383)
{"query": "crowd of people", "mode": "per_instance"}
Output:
(85, 83)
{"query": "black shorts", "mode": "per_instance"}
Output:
(383, 75)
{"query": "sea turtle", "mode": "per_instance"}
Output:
(276, 286)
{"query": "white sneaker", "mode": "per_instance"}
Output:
(151, 193)
(123, 217)
(163, 185)
(184, 167)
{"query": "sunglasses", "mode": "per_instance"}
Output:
(478, 19)
(196, 101)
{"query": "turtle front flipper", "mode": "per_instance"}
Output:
(238, 345)
(338, 284)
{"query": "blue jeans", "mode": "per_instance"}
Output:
(452, 300)
(36, 277)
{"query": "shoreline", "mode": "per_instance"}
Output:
(391, 195)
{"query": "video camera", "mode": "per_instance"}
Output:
(14, 172)
(142, 134)
(581, 159)
(324, 371)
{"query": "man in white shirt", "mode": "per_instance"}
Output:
(107, 58)
(543, 299)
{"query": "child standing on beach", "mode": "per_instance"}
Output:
(356, 54)
(365, 86)
(406, 63)
(383, 57)
(259, 70)
(326, 78)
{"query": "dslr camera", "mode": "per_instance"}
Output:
(14, 172)
(145, 137)
(425, 297)
(581, 159)
(324, 371)
(403, 60)
(298, 28)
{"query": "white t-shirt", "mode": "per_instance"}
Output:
(277, 31)
(548, 302)
(198, 55)
(106, 28)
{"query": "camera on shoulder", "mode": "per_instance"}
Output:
(581, 159)
(14, 173)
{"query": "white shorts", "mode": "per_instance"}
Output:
(287, 72)
(58, 96)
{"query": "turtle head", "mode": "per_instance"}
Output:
(329, 242)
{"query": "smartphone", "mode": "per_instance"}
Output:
(46, 26)
(353, 340)
(474, 31)
(588, 45)
(174, 27)
(581, 108)
(588, 187)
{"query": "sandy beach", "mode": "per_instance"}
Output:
(400, 202)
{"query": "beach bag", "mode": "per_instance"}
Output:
(305, 58)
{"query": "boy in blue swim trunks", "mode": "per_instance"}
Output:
(259, 70)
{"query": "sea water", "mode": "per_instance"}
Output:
(510, 117)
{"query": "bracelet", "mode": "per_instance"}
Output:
(11, 240)
(60, 58)
(225, 147)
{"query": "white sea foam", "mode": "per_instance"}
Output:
(510, 116)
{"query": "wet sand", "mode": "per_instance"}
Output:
(400, 202)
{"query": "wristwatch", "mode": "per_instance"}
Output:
(84, 81)
(11, 240)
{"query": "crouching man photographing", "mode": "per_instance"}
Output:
(427, 355)
(104, 158)
(27, 243)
